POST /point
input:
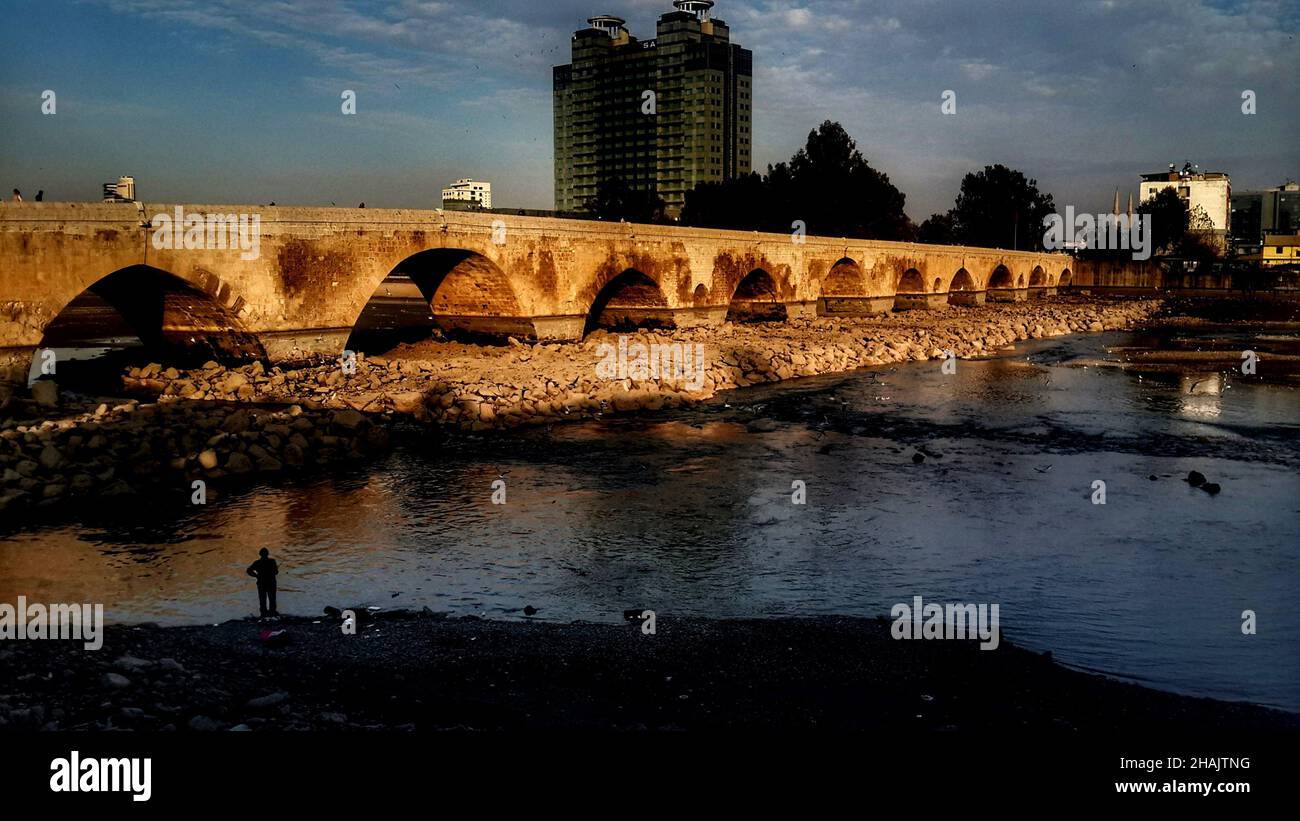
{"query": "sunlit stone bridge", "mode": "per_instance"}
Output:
(316, 269)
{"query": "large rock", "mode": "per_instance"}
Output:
(348, 420)
(131, 664)
(46, 393)
(410, 402)
(51, 458)
(270, 700)
(203, 724)
(237, 422)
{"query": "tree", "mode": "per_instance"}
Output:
(841, 194)
(827, 185)
(1198, 220)
(999, 208)
(616, 200)
(937, 230)
(741, 203)
(1169, 220)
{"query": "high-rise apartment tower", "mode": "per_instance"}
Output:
(661, 115)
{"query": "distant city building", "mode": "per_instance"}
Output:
(1257, 213)
(467, 195)
(1281, 249)
(662, 115)
(1209, 191)
(121, 191)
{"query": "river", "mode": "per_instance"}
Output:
(687, 512)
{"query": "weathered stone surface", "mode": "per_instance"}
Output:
(46, 393)
(348, 420)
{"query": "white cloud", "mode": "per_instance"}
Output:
(797, 18)
(977, 70)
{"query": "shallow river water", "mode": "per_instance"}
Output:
(688, 513)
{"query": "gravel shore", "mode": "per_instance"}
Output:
(475, 387)
(422, 671)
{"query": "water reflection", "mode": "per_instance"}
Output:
(689, 513)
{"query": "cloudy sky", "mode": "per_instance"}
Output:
(238, 101)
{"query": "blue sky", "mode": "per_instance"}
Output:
(237, 101)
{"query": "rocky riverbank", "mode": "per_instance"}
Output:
(119, 449)
(479, 388)
(228, 424)
(420, 672)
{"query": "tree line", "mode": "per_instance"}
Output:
(831, 188)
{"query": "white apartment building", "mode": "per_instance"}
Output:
(121, 191)
(1211, 191)
(467, 194)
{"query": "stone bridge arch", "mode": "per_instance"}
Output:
(757, 298)
(175, 319)
(1040, 283)
(844, 279)
(999, 277)
(629, 300)
(963, 290)
(846, 291)
(1004, 286)
(454, 290)
(1066, 279)
(910, 291)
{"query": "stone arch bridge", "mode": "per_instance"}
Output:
(299, 290)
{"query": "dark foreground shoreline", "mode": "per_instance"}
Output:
(424, 672)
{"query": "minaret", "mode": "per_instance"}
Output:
(1115, 209)
(1130, 205)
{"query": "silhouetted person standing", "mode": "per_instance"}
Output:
(265, 571)
(40, 195)
(18, 197)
